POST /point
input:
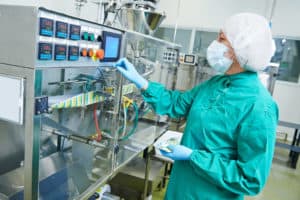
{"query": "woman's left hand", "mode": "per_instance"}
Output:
(178, 152)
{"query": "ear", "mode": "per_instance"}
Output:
(230, 54)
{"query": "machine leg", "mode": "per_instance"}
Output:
(147, 156)
(294, 155)
(294, 141)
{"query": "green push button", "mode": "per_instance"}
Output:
(85, 36)
(91, 37)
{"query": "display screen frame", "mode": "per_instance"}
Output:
(42, 54)
(71, 33)
(44, 29)
(71, 55)
(58, 32)
(187, 59)
(60, 54)
(105, 36)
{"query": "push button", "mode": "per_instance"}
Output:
(83, 52)
(91, 37)
(85, 36)
(99, 38)
(90, 53)
(100, 54)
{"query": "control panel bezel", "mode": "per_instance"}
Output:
(73, 42)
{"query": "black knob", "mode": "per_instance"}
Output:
(99, 38)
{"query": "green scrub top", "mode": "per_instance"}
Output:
(231, 128)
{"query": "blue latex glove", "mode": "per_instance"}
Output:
(179, 152)
(129, 71)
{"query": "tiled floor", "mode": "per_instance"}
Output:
(283, 183)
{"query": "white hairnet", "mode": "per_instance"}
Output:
(251, 38)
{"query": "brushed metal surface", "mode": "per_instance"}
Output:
(14, 28)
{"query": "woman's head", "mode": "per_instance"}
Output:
(248, 41)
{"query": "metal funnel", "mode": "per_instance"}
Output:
(140, 20)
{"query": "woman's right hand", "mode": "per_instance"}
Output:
(129, 71)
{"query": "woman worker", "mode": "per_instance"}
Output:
(228, 143)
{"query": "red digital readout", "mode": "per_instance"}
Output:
(75, 29)
(74, 50)
(62, 27)
(61, 48)
(46, 47)
(47, 24)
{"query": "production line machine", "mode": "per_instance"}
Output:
(68, 119)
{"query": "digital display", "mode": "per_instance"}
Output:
(111, 45)
(74, 32)
(112, 49)
(60, 52)
(46, 27)
(73, 53)
(45, 51)
(61, 29)
(189, 58)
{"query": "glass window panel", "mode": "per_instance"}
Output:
(202, 41)
(182, 36)
(287, 55)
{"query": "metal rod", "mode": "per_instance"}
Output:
(176, 24)
(76, 138)
(148, 73)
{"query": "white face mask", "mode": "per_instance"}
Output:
(215, 57)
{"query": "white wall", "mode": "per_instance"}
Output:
(203, 14)
(88, 11)
(286, 18)
(287, 95)
(211, 14)
(207, 14)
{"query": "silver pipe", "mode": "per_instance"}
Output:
(270, 10)
(76, 138)
(176, 24)
(148, 73)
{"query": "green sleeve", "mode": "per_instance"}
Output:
(246, 174)
(173, 103)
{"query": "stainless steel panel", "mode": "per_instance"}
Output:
(31, 157)
(186, 77)
(11, 146)
(18, 35)
(12, 102)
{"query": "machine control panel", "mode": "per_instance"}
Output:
(188, 59)
(66, 41)
(170, 55)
